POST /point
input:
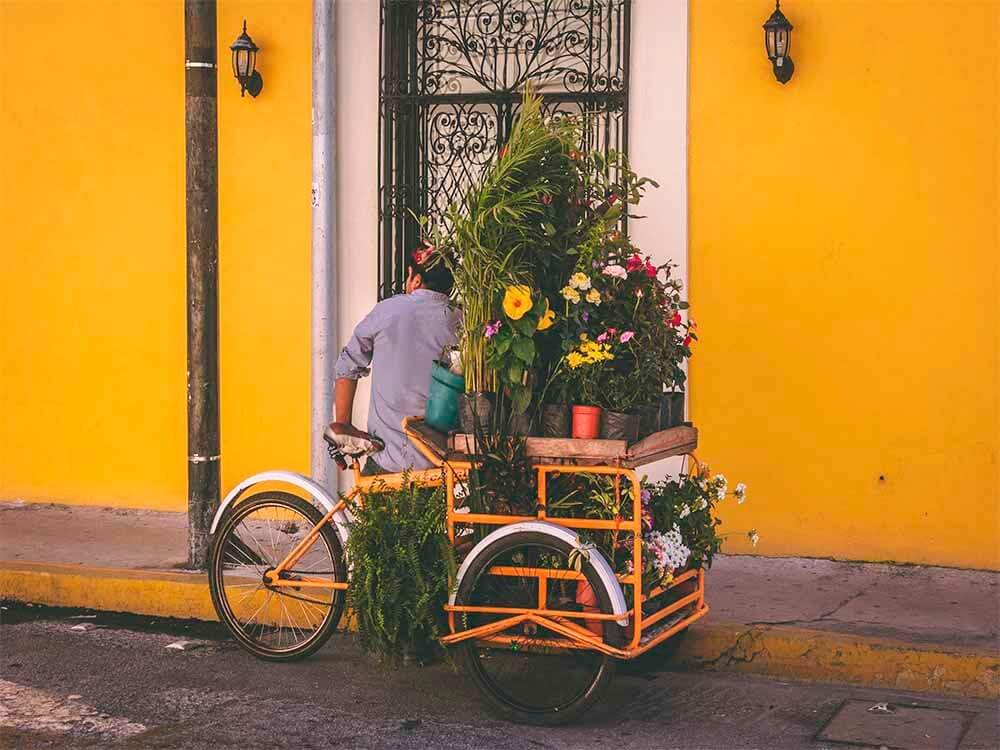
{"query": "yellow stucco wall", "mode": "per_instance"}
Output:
(844, 250)
(92, 294)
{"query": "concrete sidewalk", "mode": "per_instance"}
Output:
(903, 627)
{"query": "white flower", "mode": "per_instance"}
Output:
(754, 537)
(701, 504)
(721, 486)
(579, 281)
(741, 493)
(667, 550)
(685, 511)
(615, 270)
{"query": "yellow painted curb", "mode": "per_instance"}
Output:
(826, 656)
(143, 592)
(779, 651)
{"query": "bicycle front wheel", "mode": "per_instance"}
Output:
(277, 623)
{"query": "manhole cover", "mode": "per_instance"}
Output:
(895, 726)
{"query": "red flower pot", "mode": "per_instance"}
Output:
(586, 422)
(587, 599)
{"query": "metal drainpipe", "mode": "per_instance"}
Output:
(324, 238)
(202, 221)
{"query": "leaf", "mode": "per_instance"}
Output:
(549, 229)
(501, 346)
(521, 399)
(524, 349)
(514, 373)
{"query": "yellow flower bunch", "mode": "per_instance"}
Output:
(589, 353)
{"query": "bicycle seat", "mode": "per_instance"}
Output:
(351, 445)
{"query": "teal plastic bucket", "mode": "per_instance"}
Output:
(442, 398)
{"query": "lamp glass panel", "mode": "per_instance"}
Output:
(769, 43)
(252, 65)
(781, 43)
(242, 63)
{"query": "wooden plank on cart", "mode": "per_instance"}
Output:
(543, 448)
(675, 441)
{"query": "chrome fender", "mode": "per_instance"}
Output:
(317, 494)
(604, 571)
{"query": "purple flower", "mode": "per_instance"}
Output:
(585, 315)
(492, 328)
(646, 496)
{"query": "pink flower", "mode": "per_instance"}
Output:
(602, 338)
(626, 336)
(493, 328)
(634, 263)
(615, 271)
(650, 270)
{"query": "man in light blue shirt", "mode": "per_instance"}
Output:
(403, 335)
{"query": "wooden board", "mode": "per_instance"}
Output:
(675, 441)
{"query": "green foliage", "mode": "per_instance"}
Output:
(401, 563)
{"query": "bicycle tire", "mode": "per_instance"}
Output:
(216, 584)
(497, 700)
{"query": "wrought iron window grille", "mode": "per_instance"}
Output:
(450, 81)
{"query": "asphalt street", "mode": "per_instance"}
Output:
(71, 679)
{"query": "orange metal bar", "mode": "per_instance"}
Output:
(572, 523)
(300, 549)
(685, 576)
(521, 611)
(636, 559)
(661, 637)
(483, 630)
(305, 583)
(553, 573)
(670, 609)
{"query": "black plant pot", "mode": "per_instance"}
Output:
(618, 426)
(556, 420)
(521, 424)
(475, 412)
(671, 410)
(649, 420)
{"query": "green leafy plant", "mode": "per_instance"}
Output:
(401, 563)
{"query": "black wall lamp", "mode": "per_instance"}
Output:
(245, 64)
(778, 40)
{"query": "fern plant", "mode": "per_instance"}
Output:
(401, 563)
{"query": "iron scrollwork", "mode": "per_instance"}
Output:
(449, 88)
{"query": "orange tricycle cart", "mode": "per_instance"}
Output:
(538, 616)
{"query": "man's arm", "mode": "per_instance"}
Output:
(351, 365)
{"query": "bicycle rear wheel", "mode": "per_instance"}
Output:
(523, 673)
(277, 623)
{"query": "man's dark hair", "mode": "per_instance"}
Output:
(436, 277)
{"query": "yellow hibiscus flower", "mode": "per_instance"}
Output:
(517, 301)
(548, 318)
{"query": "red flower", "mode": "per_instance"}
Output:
(546, 198)
(687, 341)
(650, 270)
(634, 263)
(574, 155)
(422, 253)
(613, 199)
(676, 320)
